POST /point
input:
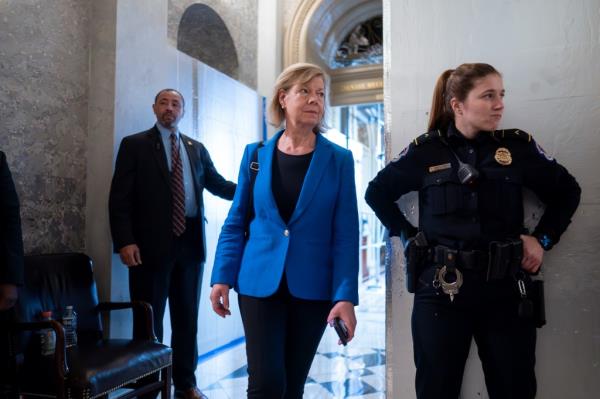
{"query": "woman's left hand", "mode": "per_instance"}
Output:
(533, 254)
(345, 311)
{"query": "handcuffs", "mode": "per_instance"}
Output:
(448, 287)
(439, 280)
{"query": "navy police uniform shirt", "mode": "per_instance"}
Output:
(470, 216)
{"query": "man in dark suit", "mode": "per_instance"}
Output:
(11, 265)
(156, 219)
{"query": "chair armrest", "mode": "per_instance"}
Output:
(60, 355)
(143, 319)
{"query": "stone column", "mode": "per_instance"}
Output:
(101, 141)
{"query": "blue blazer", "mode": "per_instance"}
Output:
(317, 249)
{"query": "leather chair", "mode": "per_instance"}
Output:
(96, 366)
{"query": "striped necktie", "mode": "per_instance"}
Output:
(177, 188)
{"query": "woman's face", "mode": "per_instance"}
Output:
(304, 104)
(483, 107)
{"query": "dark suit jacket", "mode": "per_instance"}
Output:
(11, 241)
(140, 203)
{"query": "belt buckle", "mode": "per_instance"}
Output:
(450, 257)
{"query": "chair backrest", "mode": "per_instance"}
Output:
(54, 281)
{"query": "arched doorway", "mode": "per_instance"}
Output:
(203, 35)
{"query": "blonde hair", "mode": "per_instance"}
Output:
(299, 73)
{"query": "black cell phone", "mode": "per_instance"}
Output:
(341, 330)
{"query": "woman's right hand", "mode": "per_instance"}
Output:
(219, 298)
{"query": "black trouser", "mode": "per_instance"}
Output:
(179, 281)
(282, 336)
(442, 333)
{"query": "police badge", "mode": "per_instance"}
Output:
(503, 156)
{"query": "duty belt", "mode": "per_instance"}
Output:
(501, 259)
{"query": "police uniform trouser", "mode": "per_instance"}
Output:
(442, 333)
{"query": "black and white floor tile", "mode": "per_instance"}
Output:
(355, 371)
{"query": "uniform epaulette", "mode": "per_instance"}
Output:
(425, 137)
(512, 134)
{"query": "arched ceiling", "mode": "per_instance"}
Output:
(320, 26)
(316, 32)
(332, 22)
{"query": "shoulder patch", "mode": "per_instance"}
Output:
(516, 134)
(401, 155)
(542, 152)
(425, 137)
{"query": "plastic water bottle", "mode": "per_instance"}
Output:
(69, 322)
(47, 336)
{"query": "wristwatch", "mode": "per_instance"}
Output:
(545, 241)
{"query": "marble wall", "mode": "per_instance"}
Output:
(44, 55)
(45, 73)
(240, 17)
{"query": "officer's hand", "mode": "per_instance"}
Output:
(130, 255)
(533, 254)
(345, 311)
(8, 296)
(219, 298)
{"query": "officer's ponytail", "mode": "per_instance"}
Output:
(439, 116)
(454, 83)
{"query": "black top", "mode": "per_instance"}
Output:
(288, 177)
(470, 216)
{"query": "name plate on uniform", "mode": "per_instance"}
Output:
(437, 168)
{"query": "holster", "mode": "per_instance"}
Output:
(415, 253)
(504, 259)
(539, 305)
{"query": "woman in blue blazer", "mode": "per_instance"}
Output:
(298, 268)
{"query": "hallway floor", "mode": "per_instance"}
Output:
(355, 371)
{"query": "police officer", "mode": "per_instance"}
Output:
(474, 256)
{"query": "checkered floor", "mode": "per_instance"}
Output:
(355, 371)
